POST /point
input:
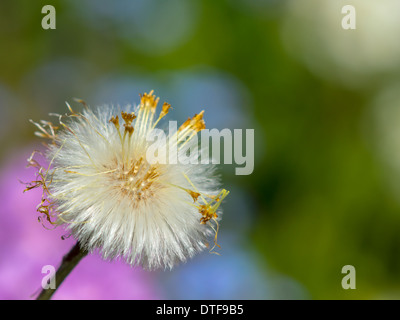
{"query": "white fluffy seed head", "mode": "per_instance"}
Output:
(103, 189)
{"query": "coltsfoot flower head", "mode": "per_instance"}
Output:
(102, 187)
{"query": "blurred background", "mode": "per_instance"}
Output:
(324, 103)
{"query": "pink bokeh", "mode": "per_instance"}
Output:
(26, 246)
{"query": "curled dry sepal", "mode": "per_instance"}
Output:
(101, 187)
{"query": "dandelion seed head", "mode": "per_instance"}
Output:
(101, 186)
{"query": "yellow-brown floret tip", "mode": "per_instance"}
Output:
(208, 213)
(196, 123)
(165, 109)
(194, 195)
(148, 100)
(128, 117)
(115, 121)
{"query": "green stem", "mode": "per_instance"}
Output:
(69, 262)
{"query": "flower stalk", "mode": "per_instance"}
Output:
(69, 262)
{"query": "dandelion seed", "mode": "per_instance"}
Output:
(101, 187)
